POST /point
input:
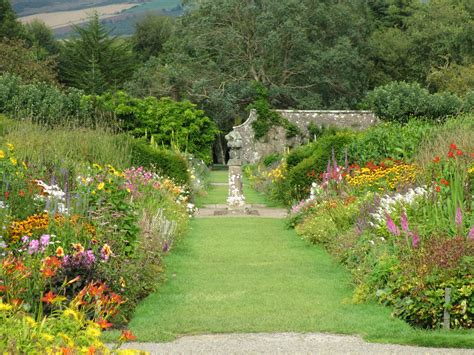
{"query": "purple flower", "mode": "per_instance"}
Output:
(404, 222)
(415, 240)
(458, 218)
(392, 228)
(165, 247)
(44, 240)
(89, 258)
(25, 239)
(33, 247)
(470, 235)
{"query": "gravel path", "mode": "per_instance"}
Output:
(282, 343)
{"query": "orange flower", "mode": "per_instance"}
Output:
(103, 323)
(444, 182)
(127, 335)
(436, 159)
(60, 252)
(66, 351)
(438, 188)
(78, 246)
(49, 297)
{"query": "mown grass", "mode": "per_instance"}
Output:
(253, 275)
(218, 194)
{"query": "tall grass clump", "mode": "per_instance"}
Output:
(68, 147)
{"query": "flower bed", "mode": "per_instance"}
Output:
(78, 253)
(404, 230)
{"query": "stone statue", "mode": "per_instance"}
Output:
(234, 142)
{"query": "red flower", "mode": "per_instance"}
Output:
(49, 297)
(459, 152)
(450, 154)
(6, 194)
(444, 182)
(127, 335)
(453, 146)
(21, 193)
(436, 159)
(438, 188)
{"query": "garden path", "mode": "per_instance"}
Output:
(240, 285)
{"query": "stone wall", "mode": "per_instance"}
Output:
(276, 142)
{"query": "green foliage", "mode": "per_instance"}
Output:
(271, 159)
(170, 123)
(399, 101)
(391, 139)
(93, 61)
(150, 35)
(10, 27)
(266, 117)
(17, 59)
(314, 161)
(42, 103)
(41, 38)
(163, 161)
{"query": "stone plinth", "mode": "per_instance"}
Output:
(236, 199)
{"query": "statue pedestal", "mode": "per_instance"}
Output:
(236, 199)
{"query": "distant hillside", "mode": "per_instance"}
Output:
(27, 7)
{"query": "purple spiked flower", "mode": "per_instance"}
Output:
(470, 235)
(404, 222)
(392, 227)
(458, 218)
(415, 240)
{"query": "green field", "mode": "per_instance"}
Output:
(155, 5)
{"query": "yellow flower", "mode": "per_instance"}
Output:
(68, 312)
(47, 337)
(30, 321)
(2, 154)
(24, 165)
(97, 166)
(10, 147)
(100, 186)
(93, 331)
(4, 306)
(13, 161)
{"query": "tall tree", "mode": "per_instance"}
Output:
(41, 37)
(151, 33)
(10, 27)
(94, 61)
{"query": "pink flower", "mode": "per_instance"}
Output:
(458, 218)
(404, 222)
(415, 240)
(470, 235)
(392, 228)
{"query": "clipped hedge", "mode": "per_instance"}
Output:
(300, 176)
(164, 162)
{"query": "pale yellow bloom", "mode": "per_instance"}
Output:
(2, 154)
(101, 186)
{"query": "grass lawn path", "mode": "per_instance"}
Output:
(248, 275)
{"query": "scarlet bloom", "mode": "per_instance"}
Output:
(21, 193)
(127, 335)
(450, 154)
(438, 188)
(436, 159)
(459, 152)
(453, 146)
(3, 288)
(444, 182)
(49, 297)
(6, 194)
(103, 324)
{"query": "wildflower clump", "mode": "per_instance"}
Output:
(388, 174)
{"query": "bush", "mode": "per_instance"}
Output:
(271, 159)
(170, 123)
(305, 172)
(164, 162)
(389, 140)
(399, 101)
(42, 102)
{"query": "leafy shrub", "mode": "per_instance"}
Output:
(317, 229)
(163, 161)
(399, 101)
(42, 102)
(170, 123)
(271, 159)
(304, 173)
(389, 140)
